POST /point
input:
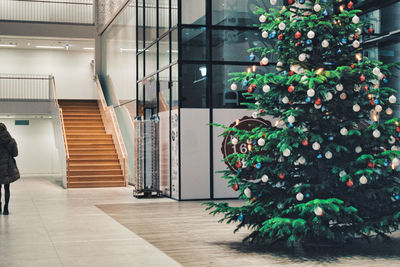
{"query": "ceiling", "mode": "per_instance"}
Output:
(12, 42)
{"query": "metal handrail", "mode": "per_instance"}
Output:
(62, 123)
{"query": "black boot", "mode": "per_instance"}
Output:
(5, 212)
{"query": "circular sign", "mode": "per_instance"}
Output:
(247, 124)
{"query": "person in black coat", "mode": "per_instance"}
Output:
(8, 168)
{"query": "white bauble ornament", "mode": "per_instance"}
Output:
(376, 133)
(317, 106)
(317, 8)
(319, 211)
(328, 96)
(279, 64)
(235, 141)
(376, 71)
(358, 31)
(303, 79)
(299, 197)
(291, 119)
(394, 148)
(356, 44)
(325, 43)
(392, 140)
(264, 178)
(264, 61)
(328, 155)
(344, 131)
(266, 88)
(316, 146)
(395, 163)
(389, 111)
(380, 76)
(234, 86)
(261, 142)
(392, 99)
(339, 87)
(255, 115)
(378, 108)
(311, 35)
(310, 92)
(273, 2)
(287, 152)
(281, 159)
(247, 192)
(363, 180)
(356, 108)
(282, 26)
(264, 34)
(302, 57)
(262, 18)
(355, 19)
(285, 100)
(302, 160)
(342, 174)
(358, 150)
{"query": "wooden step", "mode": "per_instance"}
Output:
(79, 113)
(84, 141)
(85, 172)
(83, 128)
(80, 178)
(82, 119)
(86, 138)
(90, 184)
(93, 162)
(90, 146)
(86, 134)
(84, 123)
(81, 165)
(94, 156)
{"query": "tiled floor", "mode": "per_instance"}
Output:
(51, 226)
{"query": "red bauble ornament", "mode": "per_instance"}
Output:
(282, 175)
(349, 183)
(280, 36)
(251, 88)
(366, 88)
(238, 164)
(371, 31)
(398, 129)
(350, 5)
(305, 142)
(352, 66)
(290, 2)
(362, 78)
(356, 36)
(291, 89)
(371, 164)
(253, 199)
(291, 73)
(235, 187)
(318, 101)
(299, 44)
(372, 102)
(297, 35)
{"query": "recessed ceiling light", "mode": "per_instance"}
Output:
(88, 48)
(50, 47)
(8, 45)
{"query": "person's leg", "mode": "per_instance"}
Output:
(0, 198)
(6, 198)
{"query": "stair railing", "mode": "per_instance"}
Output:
(112, 127)
(61, 118)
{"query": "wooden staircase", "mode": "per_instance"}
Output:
(93, 158)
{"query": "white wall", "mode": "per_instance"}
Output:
(71, 69)
(37, 151)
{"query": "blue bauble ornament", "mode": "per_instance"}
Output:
(252, 57)
(279, 48)
(325, 13)
(344, 41)
(398, 135)
(240, 218)
(272, 35)
(330, 138)
(307, 195)
(385, 80)
(397, 196)
(319, 156)
(309, 42)
(239, 170)
(323, 109)
(258, 165)
(308, 99)
(290, 125)
(339, 51)
(244, 82)
(386, 163)
(285, 72)
(260, 195)
(299, 19)
(376, 101)
(302, 1)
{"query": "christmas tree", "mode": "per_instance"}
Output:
(326, 170)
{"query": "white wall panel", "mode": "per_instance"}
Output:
(195, 154)
(71, 69)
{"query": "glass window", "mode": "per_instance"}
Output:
(140, 99)
(151, 59)
(140, 24)
(174, 13)
(140, 66)
(150, 20)
(223, 96)
(163, 16)
(164, 98)
(150, 90)
(390, 19)
(236, 12)
(232, 45)
(194, 44)
(164, 51)
(174, 45)
(194, 12)
(194, 86)
(175, 87)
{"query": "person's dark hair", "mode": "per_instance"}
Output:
(2, 127)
